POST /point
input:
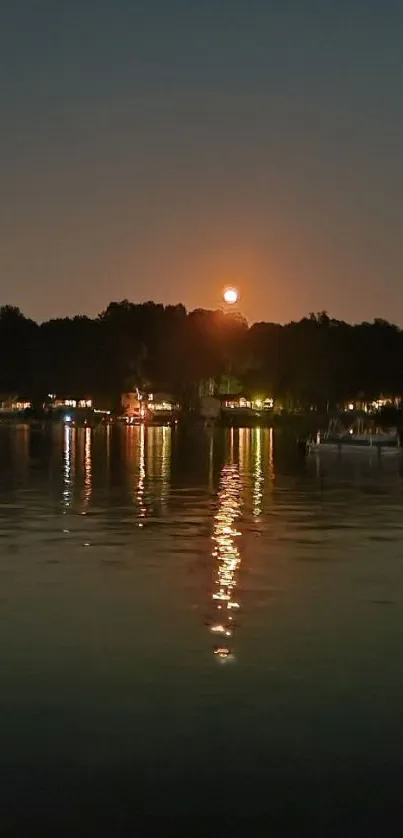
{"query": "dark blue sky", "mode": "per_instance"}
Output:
(161, 149)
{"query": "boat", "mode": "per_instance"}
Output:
(356, 439)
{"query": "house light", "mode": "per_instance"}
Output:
(163, 406)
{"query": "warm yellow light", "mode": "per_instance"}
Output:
(222, 651)
(230, 296)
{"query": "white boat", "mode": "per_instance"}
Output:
(356, 439)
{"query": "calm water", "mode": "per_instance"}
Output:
(198, 634)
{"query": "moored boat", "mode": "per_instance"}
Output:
(356, 439)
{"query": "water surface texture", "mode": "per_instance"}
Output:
(199, 634)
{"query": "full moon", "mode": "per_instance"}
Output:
(230, 296)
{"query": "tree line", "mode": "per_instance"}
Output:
(317, 362)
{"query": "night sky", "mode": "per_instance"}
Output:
(164, 148)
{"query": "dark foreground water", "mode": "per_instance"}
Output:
(199, 635)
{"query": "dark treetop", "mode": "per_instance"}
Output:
(315, 362)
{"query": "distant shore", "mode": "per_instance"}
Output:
(301, 423)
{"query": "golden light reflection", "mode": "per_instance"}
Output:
(244, 452)
(227, 559)
(108, 433)
(69, 450)
(87, 466)
(211, 463)
(165, 465)
(140, 493)
(151, 450)
(258, 474)
(271, 458)
(231, 438)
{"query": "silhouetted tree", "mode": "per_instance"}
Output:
(317, 362)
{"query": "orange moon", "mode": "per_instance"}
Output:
(230, 296)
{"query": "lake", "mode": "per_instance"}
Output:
(200, 633)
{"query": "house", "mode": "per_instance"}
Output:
(160, 402)
(160, 408)
(373, 406)
(245, 404)
(54, 402)
(10, 403)
(148, 407)
(132, 404)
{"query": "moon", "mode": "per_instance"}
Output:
(230, 296)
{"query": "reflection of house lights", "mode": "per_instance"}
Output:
(222, 651)
(165, 465)
(141, 478)
(69, 450)
(87, 466)
(226, 554)
(257, 474)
